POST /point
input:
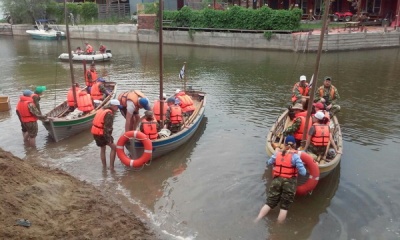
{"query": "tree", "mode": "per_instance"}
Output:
(26, 11)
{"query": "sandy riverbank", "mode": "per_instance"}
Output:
(58, 206)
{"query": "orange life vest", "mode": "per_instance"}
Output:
(70, 96)
(102, 49)
(185, 102)
(132, 96)
(98, 121)
(89, 49)
(303, 91)
(175, 114)
(94, 78)
(150, 129)
(85, 103)
(321, 136)
(283, 165)
(23, 109)
(95, 91)
(331, 92)
(298, 135)
(156, 110)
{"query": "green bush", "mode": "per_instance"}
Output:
(88, 11)
(236, 17)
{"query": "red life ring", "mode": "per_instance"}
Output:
(313, 170)
(148, 149)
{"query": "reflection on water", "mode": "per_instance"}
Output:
(212, 188)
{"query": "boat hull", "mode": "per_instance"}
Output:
(46, 35)
(80, 57)
(165, 145)
(60, 128)
(325, 166)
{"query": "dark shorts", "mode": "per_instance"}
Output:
(175, 127)
(124, 110)
(23, 127)
(32, 129)
(101, 141)
(282, 190)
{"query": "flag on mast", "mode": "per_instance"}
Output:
(182, 72)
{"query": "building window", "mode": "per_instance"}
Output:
(373, 6)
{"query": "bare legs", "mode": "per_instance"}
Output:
(112, 155)
(265, 210)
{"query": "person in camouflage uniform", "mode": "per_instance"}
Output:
(102, 131)
(283, 186)
(29, 128)
(36, 96)
(294, 115)
(300, 91)
(329, 95)
(173, 127)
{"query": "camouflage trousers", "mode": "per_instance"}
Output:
(174, 128)
(282, 190)
(334, 109)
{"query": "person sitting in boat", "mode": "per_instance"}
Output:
(185, 102)
(319, 106)
(287, 165)
(299, 121)
(88, 48)
(85, 102)
(102, 49)
(149, 126)
(70, 96)
(157, 108)
(102, 129)
(90, 77)
(78, 50)
(328, 95)
(131, 102)
(36, 96)
(300, 91)
(99, 91)
(174, 116)
(319, 136)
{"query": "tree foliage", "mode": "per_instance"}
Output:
(26, 11)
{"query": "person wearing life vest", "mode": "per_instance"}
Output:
(328, 95)
(299, 121)
(88, 49)
(99, 91)
(319, 106)
(174, 116)
(287, 165)
(36, 96)
(70, 97)
(28, 115)
(185, 102)
(157, 108)
(131, 102)
(90, 77)
(149, 126)
(102, 129)
(320, 136)
(102, 49)
(300, 91)
(85, 102)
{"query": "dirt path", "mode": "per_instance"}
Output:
(58, 206)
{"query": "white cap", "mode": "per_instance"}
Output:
(164, 95)
(303, 78)
(319, 115)
(177, 90)
(115, 102)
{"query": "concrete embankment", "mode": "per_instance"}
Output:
(336, 39)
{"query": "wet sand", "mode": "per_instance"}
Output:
(58, 206)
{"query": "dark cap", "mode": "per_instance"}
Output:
(328, 78)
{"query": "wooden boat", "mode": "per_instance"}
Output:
(166, 142)
(4, 103)
(46, 30)
(97, 57)
(275, 137)
(60, 124)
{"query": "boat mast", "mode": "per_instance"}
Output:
(316, 70)
(70, 54)
(160, 52)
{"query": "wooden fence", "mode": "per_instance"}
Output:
(120, 10)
